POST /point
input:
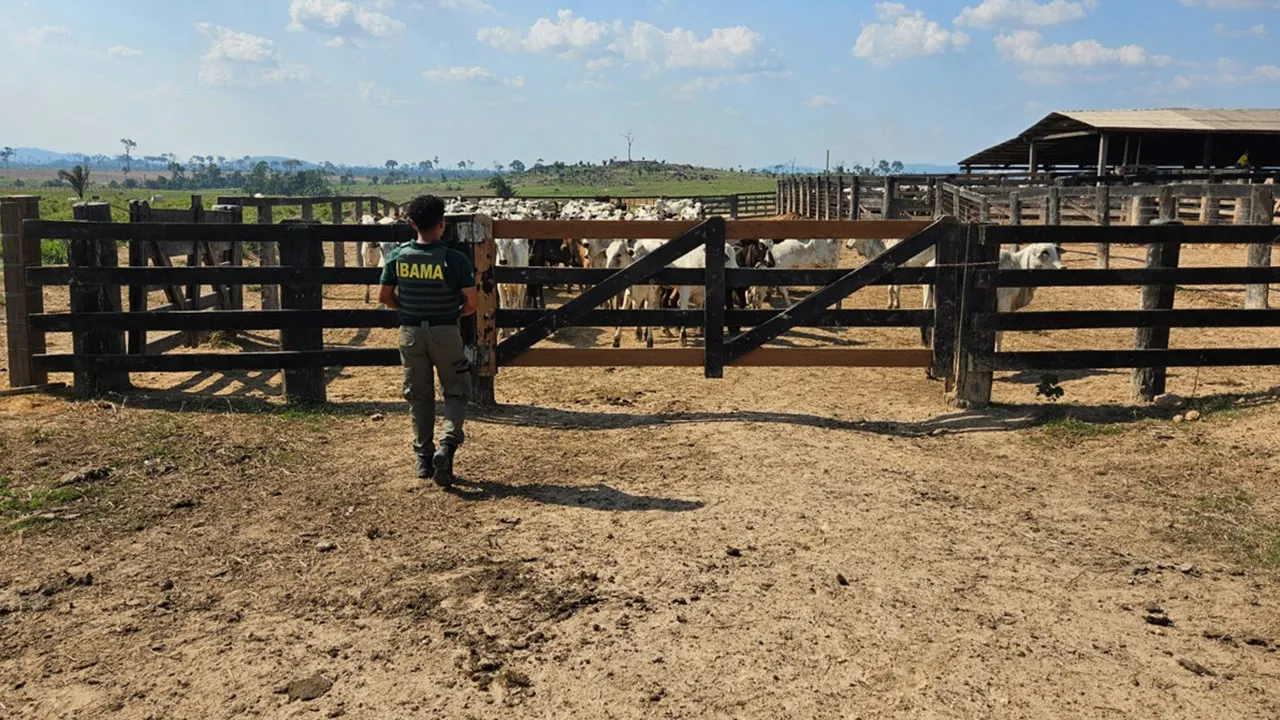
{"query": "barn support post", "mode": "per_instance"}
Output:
(486, 341)
(713, 307)
(1149, 383)
(1262, 199)
(339, 248)
(21, 300)
(1015, 208)
(94, 297)
(268, 256)
(307, 384)
(972, 382)
(1102, 207)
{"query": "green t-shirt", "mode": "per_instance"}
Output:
(431, 279)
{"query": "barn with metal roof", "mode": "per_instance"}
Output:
(1169, 138)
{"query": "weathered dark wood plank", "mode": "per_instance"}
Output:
(1135, 276)
(302, 385)
(1091, 319)
(1115, 359)
(713, 304)
(1133, 235)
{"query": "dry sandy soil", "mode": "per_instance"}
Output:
(813, 543)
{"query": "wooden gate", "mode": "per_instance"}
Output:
(763, 326)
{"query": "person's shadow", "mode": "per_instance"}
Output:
(593, 497)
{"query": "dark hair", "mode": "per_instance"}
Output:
(426, 212)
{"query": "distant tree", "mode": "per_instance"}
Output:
(292, 165)
(222, 160)
(630, 137)
(6, 154)
(77, 178)
(497, 166)
(501, 187)
(392, 164)
(462, 164)
(516, 166)
(129, 145)
(424, 166)
(471, 164)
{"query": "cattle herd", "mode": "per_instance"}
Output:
(785, 254)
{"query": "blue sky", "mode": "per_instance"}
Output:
(725, 82)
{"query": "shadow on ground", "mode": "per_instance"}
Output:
(593, 497)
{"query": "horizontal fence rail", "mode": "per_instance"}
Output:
(1132, 235)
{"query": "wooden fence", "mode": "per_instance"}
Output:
(857, 197)
(962, 325)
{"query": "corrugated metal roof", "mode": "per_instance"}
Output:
(1180, 120)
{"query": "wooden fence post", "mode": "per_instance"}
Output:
(138, 292)
(972, 383)
(268, 256)
(302, 385)
(956, 211)
(86, 298)
(855, 198)
(339, 248)
(891, 210)
(194, 337)
(1262, 200)
(21, 300)
(1149, 383)
(1015, 208)
(713, 327)
(1102, 206)
(935, 188)
(839, 197)
(308, 211)
(984, 210)
(733, 207)
(487, 312)
(946, 296)
(1053, 206)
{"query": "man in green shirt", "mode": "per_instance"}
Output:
(432, 286)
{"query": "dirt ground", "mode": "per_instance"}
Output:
(625, 543)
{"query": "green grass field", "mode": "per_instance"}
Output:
(583, 181)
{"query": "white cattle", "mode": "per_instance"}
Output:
(696, 259)
(804, 255)
(511, 252)
(1037, 256)
(374, 254)
(874, 247)
(620, 255)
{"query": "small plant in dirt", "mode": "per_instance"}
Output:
(1069, 430)
(1233, 526)
(1049, 388)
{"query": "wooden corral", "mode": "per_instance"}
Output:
(963, 324)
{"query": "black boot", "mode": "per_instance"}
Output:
(425, 466)
(443, 462)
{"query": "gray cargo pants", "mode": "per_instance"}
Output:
(435, 346)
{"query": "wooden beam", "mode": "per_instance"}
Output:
(22, 299)
(1128, 277)
(734, 229)
(1109, 359)
(1133, 235)
(1091, 319)
(694, 357)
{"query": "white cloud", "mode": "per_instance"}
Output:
(599, 64)
(47, 34)
(692, 89)
(1026, 47)
(239, 59)
(1229, 73)
(375, 95)
(345, 21)
(821, 101)
(724, 49)
(901, 33)
(565, 33)
(1233, 4)
(1258, 30)
(123, 51)
(1005, 13)
(479, 6)
(477, 75)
